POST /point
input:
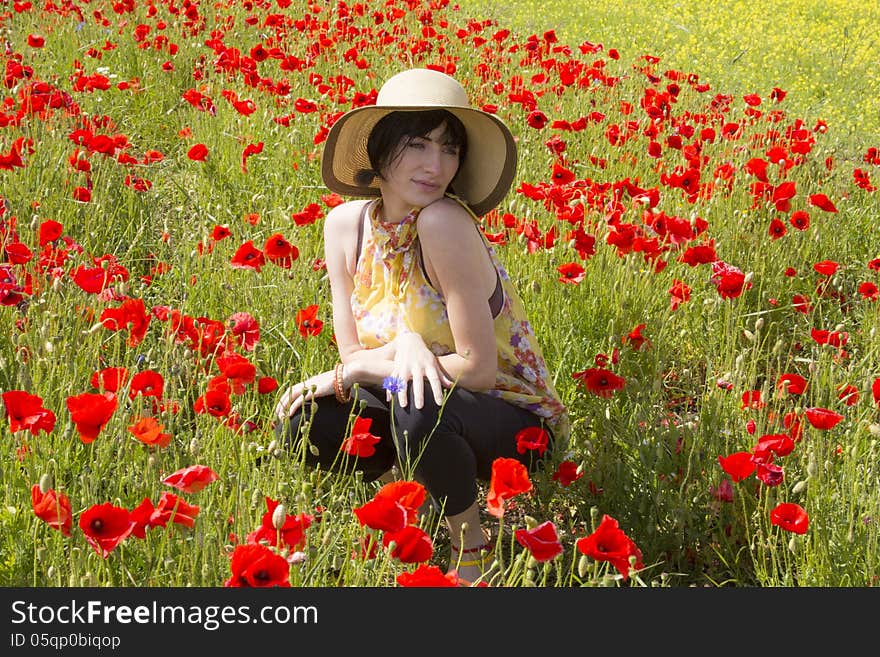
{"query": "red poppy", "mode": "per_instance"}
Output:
(542, 541)
(768, 473)
(147, 383)
(307, 321)
(729, 280)
(213, 402)
(826, 267)
(309, 215)
(567, 472)
(93, 280)
(82, 194)
(849, 394)
(534, 438)
(198, 153)
(780, 444)
(509, 478)
(537, 119)
(49, 231)
(752, 399)
(571, 272)
(266, 384)
(105, 526)
(790, 517)
(148, 431)
(191, 479)
(383, 514)
(679, 293)
(599, 381)
(291, 532)
(109, 379)
(25, 412)
(610, 543)
(411, 544)
(777, 229)
(174, 509)
(822, 418)
(90, 412)
(132, 314)
(245, 329)
(801, 303)
(52, 508)
(823, 202)
(250, 149)
(247, 256)
(738, 465)
(869, 291)
(361, 442)
(279, 251)
(875, 391)
(141, 517)
(793, 384)
(800, 219)
(408, 494)
(255, 565)
(238, 370)
(427, 576)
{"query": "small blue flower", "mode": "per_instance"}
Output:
(393, 384)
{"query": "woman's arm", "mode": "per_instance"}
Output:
(462, 269)
(340, 256)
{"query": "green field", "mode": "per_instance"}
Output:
(674, 221)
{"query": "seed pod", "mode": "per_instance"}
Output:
(45, 482)
(279, 516)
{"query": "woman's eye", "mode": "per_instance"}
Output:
(451, 150)
(416, 144)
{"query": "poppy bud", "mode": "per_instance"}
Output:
(874, 430)
(759, 324)
(41, 553)
(256, 497)
(45, 482)
(194, 446)
(812, 468)
(583, 566)
(531, 523)
(279, 515)
(777, 348)
(749, 335)
(272, 446)
(799, 487)
(50, 573)
(151, 461)
(792, 545)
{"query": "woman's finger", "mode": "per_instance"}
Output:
(418, 384)
(436, 385)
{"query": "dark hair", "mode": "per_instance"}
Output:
(397, 129)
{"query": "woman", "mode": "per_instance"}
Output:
(420, 300)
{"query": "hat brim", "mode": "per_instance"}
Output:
(482, 181)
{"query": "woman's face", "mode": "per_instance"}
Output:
(419, 174)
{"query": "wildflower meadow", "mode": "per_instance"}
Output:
(694, 234)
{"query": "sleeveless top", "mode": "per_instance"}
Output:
(392, 294)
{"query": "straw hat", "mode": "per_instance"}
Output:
(489, 166)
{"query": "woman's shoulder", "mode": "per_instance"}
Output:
(344, 217)
(442, 217)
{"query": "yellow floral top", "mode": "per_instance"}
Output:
(392, 294)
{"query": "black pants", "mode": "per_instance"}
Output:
(449, 448)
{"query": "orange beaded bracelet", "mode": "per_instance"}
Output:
(339, 387)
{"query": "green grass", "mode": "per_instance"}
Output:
(649, 453)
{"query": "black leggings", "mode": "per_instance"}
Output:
(448, 449)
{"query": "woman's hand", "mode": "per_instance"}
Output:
(294, 397)
(413, 361)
